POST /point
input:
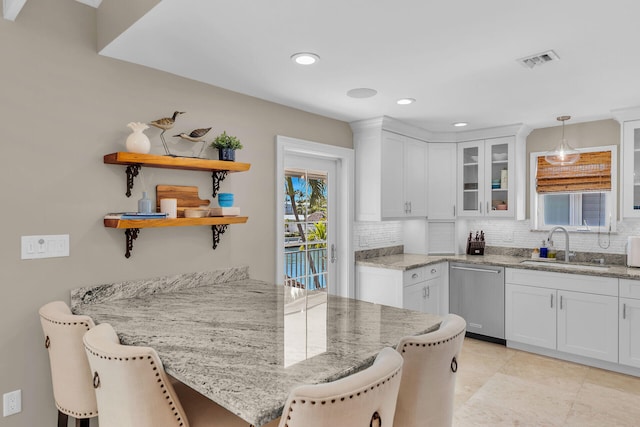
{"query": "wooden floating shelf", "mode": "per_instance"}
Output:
(174, 222)
(132, 227)
(169, 162)
(134, 161)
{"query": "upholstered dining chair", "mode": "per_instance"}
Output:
(429, 375)
(133, 389)
(366, 398)
(70, 374)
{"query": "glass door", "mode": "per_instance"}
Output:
(309, 247)
(499, 161)
(471, 157)
(630, 158)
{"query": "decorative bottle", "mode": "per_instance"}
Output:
(137, 142)
(144, 204)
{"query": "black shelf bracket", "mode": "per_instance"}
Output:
(132, 234)
(217, 231)
(218, 177)
(132, 172)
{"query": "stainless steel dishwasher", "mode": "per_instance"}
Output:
(476, 293)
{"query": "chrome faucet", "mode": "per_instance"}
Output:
(566, 240)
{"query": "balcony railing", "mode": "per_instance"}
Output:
(305, 269)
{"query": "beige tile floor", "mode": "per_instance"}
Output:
(499, 386)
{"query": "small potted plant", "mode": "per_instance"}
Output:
(227, 146)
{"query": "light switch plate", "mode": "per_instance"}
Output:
(50, 246)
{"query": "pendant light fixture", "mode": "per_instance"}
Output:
(563, 154)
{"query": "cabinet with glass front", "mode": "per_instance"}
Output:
(631, 159)
(486, 176)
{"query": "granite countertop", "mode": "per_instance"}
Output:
(229, 340)
(410, 261)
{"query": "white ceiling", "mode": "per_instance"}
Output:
(456, 58)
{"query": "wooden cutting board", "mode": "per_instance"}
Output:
(187, 196)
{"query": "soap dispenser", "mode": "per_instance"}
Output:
(551, 251)
(543, 250)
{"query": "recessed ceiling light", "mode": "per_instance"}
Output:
(305, 58)
(460, 124)
(362, 92)
(405, 101)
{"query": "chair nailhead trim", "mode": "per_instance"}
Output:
(75, 414)
(430, 344)
(172, 405)
(342, 398)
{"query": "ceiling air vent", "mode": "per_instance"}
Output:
(539, 59)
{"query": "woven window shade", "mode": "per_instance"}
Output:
(592, 172)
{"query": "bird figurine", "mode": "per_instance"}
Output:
(165, 124)
(196, 135)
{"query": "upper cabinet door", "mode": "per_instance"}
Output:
(470, 178)
(631, 169)
(441, 181)
(415, 177)
(394, 204)
(499, 188)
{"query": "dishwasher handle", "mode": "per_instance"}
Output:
(479, 270)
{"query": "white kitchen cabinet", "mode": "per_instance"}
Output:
(570, 313)
(629, 316)
(588, 325)
(422, 289)
(404, 176)
(441, 181)
(391, 173)
(530, 315)
(631, 169)
(486, 178)
(425, 294)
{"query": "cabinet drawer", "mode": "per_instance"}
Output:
(563, 281)
(432, 271)
(415, 275)
(630, 288)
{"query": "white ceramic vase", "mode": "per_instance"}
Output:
(137, 142)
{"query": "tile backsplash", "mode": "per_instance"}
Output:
(370, 235)
(500, 233)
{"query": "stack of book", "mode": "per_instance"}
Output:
(136, 215)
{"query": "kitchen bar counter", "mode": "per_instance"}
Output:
(410, 261)
(229, 340)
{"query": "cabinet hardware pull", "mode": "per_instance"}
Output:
(480, 206)
(480, 270)
(454, 210)
(487, 208)
(414, 275)
(560, 302)
(428, 292)
(551, 300)
(333, 253)
(424, 292)
(624, 311)
(434, 270)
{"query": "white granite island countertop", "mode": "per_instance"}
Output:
(226, 340)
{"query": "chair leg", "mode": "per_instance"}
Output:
(63, 419)
(82, 422)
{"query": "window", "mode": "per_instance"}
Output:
(580, 197)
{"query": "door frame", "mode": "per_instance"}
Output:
(344, 158)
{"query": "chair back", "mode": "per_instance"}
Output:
(429, 375)
(131, 386)
(366, 398)
(70, 374)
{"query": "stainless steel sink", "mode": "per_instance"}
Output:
(566, 266)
